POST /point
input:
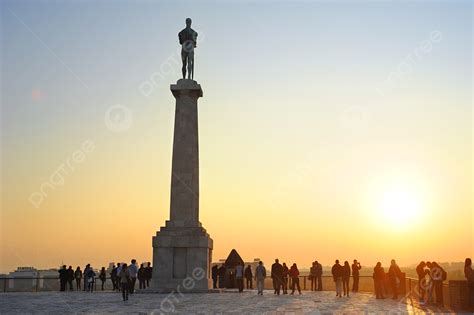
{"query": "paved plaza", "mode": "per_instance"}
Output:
(202, 303)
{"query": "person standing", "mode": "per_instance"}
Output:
(124, 278)
(214, 273)
(355, 276)
(277, 276)
(78, 277)
(239, 276)
(312, 276)
(119, 268)
(285, 274)
(438, 275)
(346, 275)
(70, 277)
(260, 275)
(221, 274)
(395, 276)
(113, 277)
(63, 276)
(295, 278)
(248, 277)
(141, 277)
(102, 277)
(86, 269)
(90, 279)
(337, 277)
(133, 272)
(148, 274)
(319, 274)
(469, 274)
(420, 271)
(379, 276)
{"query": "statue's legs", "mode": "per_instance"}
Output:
(185, 60)
(191, 65)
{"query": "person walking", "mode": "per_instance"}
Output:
(78, 277)
(469, 274)
(70, 277)
(90, 279)
(148, 274)
(141, 277)
(124, 278)
(102, 277)
(395, 276)
(113, 277)
(285, 274)
(346, 275)
(214, 273)
(312, 276)
(355, 276)
(337, 271)
(379, 276)
(319, 274)
(86, 269)
(277, 276)
(248, 277)
(63, 276)
(239, 276)
(133, 272)
(260, 275)
(295, 279)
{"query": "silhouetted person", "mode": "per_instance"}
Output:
(379, 276)
(78, 277)
(395, 276)
(346, 275)
(260, 275)
(124, 278)
(319, 274)
(141, 277)
(89, 276)
(286, 274)
(277, 276)
(86, 285)
(221, 273)
(312, 276)
(469, 274)
(355, 275)
(239, 276)
(113, 277)
(337, 272)
(420, 271)
(214, 274)
(119, 268)
(70, 277)
(133, 272)
(102, 277)
(148, 274)
(295, 279)
(63, 276)
(248, 277)
(438, 275)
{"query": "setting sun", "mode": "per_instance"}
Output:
(400, 206)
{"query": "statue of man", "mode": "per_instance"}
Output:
(188, 40)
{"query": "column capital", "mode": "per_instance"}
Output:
(186, 87)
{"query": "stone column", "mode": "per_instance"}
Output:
(182, 249)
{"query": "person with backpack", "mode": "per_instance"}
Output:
(438, 275)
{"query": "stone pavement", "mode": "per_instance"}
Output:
(201, 303)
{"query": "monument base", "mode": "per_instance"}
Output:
(181, 259)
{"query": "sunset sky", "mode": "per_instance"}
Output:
(327, 129)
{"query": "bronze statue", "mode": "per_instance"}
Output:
(188, 40)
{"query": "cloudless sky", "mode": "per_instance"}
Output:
(327, 129)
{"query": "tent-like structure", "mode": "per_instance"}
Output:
(230, 263)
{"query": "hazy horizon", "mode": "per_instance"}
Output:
(327, 129)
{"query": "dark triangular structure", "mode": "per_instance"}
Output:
(233, 259)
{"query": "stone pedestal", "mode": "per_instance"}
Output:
(182, 250)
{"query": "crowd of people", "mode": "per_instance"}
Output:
(430, 278)
(122, 276)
